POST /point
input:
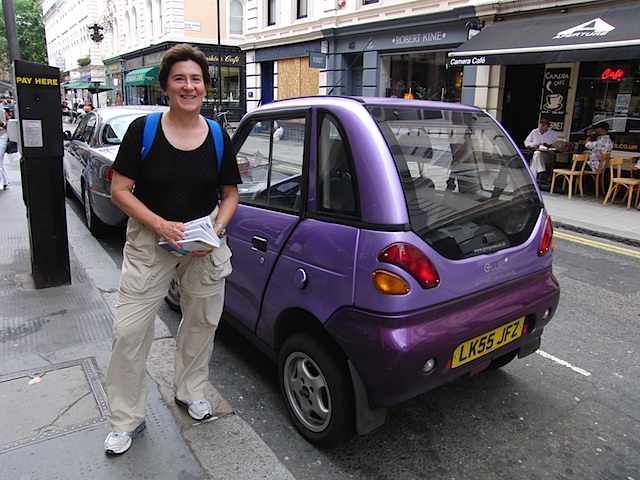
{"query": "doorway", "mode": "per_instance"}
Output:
(522, 90)
(266, 83)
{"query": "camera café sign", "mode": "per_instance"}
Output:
(554, 96)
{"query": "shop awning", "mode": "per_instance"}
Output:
(592, 35)
(77, 85)
(91, 86)
(142, 76)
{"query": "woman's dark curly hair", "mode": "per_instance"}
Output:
(181, 53)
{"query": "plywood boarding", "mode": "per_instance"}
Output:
(296, 79)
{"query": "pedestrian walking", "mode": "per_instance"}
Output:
(4, 141)
(178, 181)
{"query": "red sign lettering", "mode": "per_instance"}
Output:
(612, 74)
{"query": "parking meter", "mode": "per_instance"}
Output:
(39, 126)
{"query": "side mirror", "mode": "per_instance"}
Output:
(66, 135)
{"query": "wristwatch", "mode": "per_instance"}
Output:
(221, 227)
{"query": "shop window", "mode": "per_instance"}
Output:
(609, 92)
(229, 82)
(368, 2)
(421, 75)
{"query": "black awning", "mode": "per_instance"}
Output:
(592, 35)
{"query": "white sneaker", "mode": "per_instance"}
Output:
(200, 410)
(117, 443)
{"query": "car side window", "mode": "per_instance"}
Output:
(274, 153)
(336, 179)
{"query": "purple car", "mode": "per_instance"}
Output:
(384, 247)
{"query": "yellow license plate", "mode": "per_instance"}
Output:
(487, 342)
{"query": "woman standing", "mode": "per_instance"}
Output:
(178, 181)
(4, 141)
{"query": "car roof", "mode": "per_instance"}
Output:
(108, 113)
(385, 102)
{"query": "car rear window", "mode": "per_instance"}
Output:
(113, 132)
(467, 189)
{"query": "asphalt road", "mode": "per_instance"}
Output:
(570, 411)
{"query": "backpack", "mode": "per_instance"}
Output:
(151, 127)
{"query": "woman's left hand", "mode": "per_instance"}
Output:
(199, 253)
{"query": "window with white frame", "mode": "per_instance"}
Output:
(157, 14)
(127, 26)
(236, 17)
(133, 32)
(271, 12)
(150, 34)
(367, 2)
(302, 8)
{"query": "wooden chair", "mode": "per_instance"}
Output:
(568, 174)
(617, 181)
(597, 176)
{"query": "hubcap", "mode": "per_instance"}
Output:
(307, 391)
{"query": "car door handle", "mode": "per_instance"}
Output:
(259, 243)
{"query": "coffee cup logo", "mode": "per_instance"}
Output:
(554, 102)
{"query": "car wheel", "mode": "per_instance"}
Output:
(67, 190)
(173, 295)
(317, 390)
(94, 224)
(502, 361)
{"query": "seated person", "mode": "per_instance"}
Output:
(598, 141)
(542, 136)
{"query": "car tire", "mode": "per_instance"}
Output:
(68, 192)
(502, 361)
(173, 296)
(316, 387)
(94, 224)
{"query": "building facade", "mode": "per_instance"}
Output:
(497, 55)
(135, 34)
(575, 64)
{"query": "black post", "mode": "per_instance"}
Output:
(37, 91)
(219, 64)
(12, 31)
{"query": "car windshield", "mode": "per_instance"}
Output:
(467, 189)
(116, 127)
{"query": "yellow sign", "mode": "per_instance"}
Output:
(40, 81)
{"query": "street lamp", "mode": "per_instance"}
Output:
(96, 33)
(219, 76)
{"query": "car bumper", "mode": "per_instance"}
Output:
(106, 211)
(389, 352)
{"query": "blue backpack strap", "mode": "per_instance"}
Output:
(218, 141)
(149, 132)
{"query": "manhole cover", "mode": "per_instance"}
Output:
(50, 401)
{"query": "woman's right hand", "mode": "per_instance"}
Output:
(171, 231)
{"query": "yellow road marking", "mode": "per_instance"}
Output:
(595, 244)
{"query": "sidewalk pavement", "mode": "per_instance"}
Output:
(588, 215)
(55, 345)
(54, 350)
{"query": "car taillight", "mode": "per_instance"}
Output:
(546, 242)
(110, 174)
(413, 261)
(243, 165)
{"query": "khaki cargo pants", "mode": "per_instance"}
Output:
(147, 270)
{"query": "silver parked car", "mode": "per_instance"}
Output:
(88, 155)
